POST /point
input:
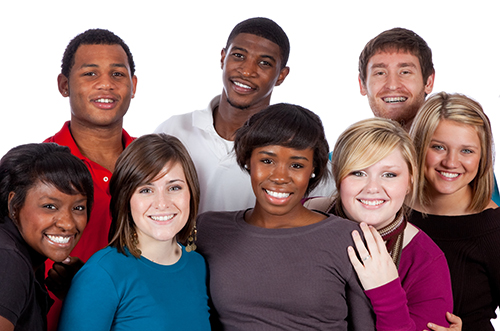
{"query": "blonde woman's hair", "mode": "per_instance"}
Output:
(366, 143)
(464, 111)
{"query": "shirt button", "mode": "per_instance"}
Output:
(105, 179)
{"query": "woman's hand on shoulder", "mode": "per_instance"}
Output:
(455, 324)
(60, 275)
(376, 267)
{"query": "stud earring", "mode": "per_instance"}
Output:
(313, 175)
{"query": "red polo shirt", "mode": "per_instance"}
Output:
(95, 235)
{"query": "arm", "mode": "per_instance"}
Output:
(5, 324)
(93, 289)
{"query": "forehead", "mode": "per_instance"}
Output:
(257, 44)
(101, 55)
(393, 59)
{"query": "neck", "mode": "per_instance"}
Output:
(299, 216)
(228, 119)
(102, 145)
(161, 252)
(448, 204)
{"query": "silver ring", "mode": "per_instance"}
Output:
(366, 258)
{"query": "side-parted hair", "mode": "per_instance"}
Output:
(93, 37)
(289, 126)
(367, 142)
(464, 111)
(265, 28)
(24, 166)
(397, 39)
(142, 162)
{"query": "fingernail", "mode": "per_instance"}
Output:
(66, 260)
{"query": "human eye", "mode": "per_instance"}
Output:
(389, 175)
(358, 173)
(89, 74)
(297, 166)
(266, 161)
(175, 188)
(265, 63)
(145, 190)
(80, 208)
(49, 206)
(237, 55)
(117, 74)
(467, 151)
(437, 147)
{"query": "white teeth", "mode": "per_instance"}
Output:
(372, 202)
(278, 194)
(162, 218)
(395, 99)
(104, 100)
(242, 85)
(449, 174)
(59, 239)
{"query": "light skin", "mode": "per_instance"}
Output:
(395, 86)
(280, 177)
(160, 210)
(100, 86)
(251, 68)
(451, 163)
(50, 221)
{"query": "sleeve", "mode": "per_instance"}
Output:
(91, 302)
(360, 311)
(492, 265)
(426, 299)
(15, 282)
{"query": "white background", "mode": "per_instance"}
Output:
(176, 47)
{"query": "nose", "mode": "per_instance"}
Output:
(161, 200)
(248, 68)
(105, 82)
(65, 220)
(451, 160)
(280, 175)
(373, 185)
(393, 81)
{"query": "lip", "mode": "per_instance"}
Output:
(102, 101)
(277, 196)
(372, 203)
(394, 99)
(448, 175)
(162, 219)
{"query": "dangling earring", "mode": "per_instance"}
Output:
(191, 246)
(135, 241)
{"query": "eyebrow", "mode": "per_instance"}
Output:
(113, 65)
(444, 143)
(400, 65)
(293, 157)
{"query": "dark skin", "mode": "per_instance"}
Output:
(251, 69)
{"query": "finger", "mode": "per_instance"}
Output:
(378, 239)
(360, 245)
(370, 240)
(358, 266)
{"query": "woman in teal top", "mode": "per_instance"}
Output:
(145, 279)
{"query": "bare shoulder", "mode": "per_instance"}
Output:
(410, 232)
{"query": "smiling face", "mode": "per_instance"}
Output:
(251, 69)
(100, 85)
(395, 86)
(280, 177)
(160, 209)
(452, 159)
(375, 194)
(52, 222)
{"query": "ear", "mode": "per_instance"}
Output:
(9, 199)
(63, 85)
(429, 85)
(134, 85)
(283, 73)
(362, 88)
(222, 58)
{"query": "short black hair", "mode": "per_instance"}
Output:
(265, 28)
(93, 37)
(289, 126)
(24, 166)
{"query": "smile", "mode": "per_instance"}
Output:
(244, 86)
(449, 174)
(104, 100)
(162, 218)
(59, 239)
(278, 195)
(371, 202)
(395, 99)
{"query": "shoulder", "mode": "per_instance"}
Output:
(173, 123)
(421, 248)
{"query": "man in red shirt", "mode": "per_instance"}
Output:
(97, 74)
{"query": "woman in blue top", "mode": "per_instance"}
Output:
(145, 279)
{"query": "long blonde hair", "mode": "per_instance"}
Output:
(464, 111)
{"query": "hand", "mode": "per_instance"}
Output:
(60, 275)
(376, 267)
(455, 324)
